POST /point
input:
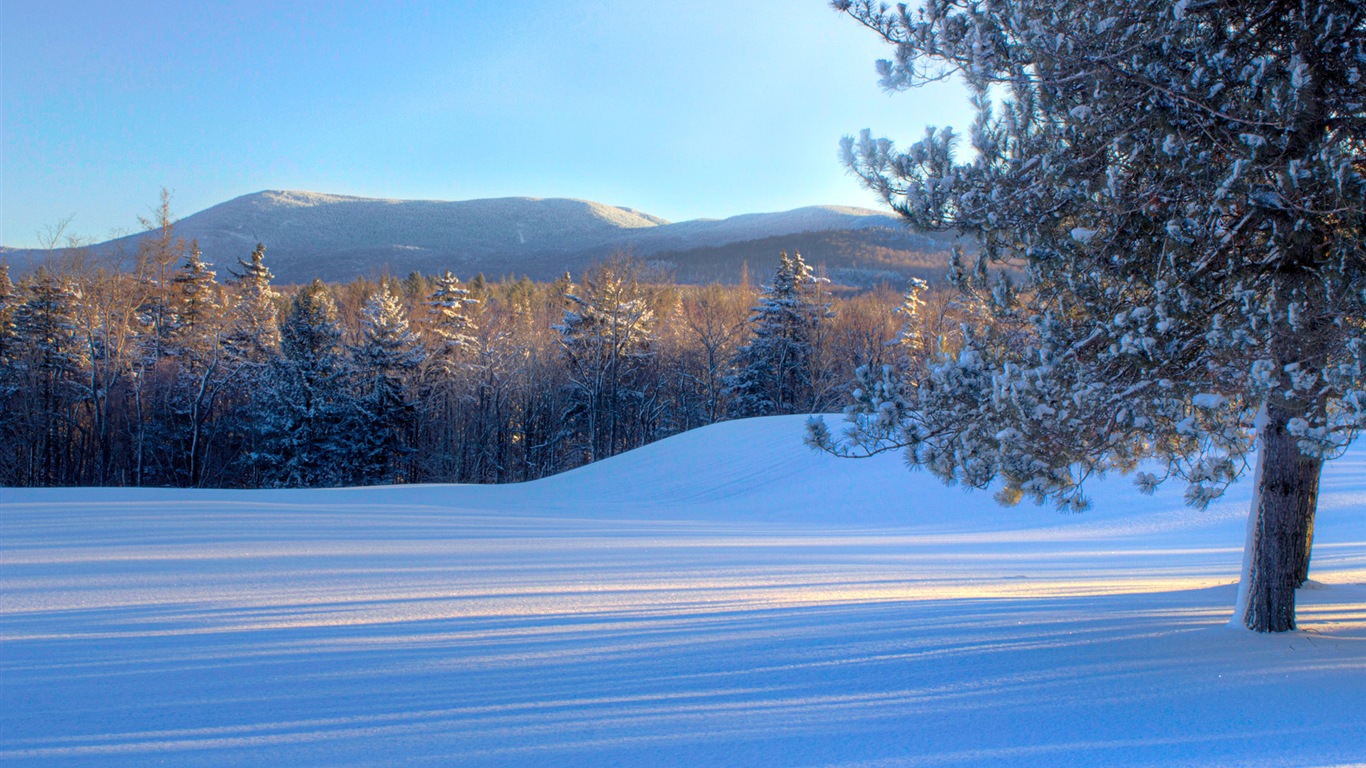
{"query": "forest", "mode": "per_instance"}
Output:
(172, 372)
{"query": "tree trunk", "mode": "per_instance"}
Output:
(1278, 545)
(1310, 469)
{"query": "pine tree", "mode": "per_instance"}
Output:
(11, 386)
(195, 344)
(9, 378)
(306, 408)
(913, 340)
(447, 378)
(7, 307)
(251, 347)
(196, 290)
(775, 373)
(1189, 215)
(253, 333)
(385, 362)
(448, 308)
(197, 307)
(48, 357)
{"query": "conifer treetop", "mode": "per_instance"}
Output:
(1182, 186)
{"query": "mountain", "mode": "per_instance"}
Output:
(336, 237)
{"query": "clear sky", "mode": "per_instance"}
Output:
(681, 109)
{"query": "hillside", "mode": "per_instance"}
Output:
(335, 237)
(722, 597)
(859, 258)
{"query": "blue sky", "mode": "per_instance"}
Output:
(699, 108)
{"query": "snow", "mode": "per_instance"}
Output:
(314, 234)
(723, 597)
(1209, 401)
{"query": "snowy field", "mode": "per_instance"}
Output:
(725, 597)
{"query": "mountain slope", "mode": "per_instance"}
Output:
(336, 237)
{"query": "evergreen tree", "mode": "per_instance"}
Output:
(45, 327)
(48, 357)
(1190, 217)
(159, 250)
(9, 374)
(775, 372)
(158, 323)
(448, 308)
(251, 346)
(195, 340)
(446, 379)
(197, 306)
(7, 306)
(913, 339)
(385, 362)
(253, 333)
(415, 286)
(154, 362)
(306, 408)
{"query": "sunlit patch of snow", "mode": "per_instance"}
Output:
(723, 597)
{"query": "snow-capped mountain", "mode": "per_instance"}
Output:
(337, 237)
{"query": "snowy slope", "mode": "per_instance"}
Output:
(724, 597)
(337, 237)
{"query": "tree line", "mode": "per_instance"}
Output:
(164, 374)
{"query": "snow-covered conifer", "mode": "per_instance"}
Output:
(45, 327)
(253, 333)
(913, 338)
(306, 408)
(385, 361)
(8, 304)
(448, 308)
(47, 358)
(775, 371)
(197, 309)
(9, 375)
(1183, 185)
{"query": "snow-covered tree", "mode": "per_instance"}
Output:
(250, 345)
(106, 316)
(45, 326)
(913, 340)
(448, 309)
(47, 359)
(8, 301)
(776, 371)
(195, 322)
(159, 250)
(196, 344)
(253, 333)
(715, 319)
(385, 360)
(10, 385)
(1182, 184)
(604, 340)
(305, 409)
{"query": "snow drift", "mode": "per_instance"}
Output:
(723, 597)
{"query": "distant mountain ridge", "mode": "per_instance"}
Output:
(338, 237)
